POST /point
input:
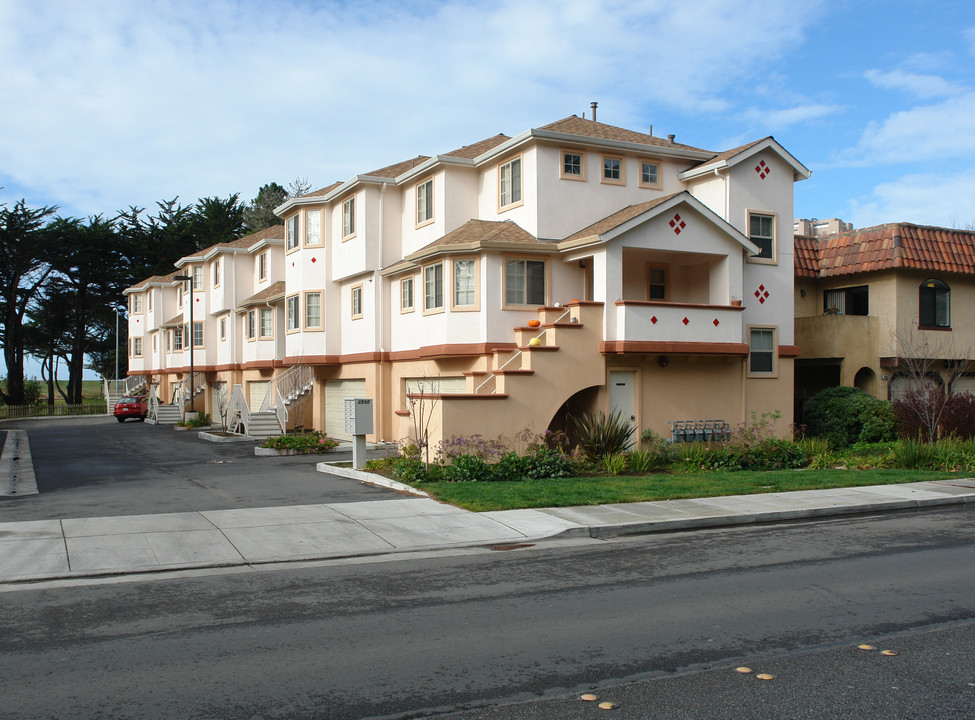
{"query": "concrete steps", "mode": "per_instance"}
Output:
(167, 415)
(263, 425)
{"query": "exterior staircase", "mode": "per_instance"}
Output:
(525, 386)
(263, 425)
(166, 415)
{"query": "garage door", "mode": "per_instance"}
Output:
(441, 385)
(255, 394)
(336, 391)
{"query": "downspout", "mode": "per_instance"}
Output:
(380, 315)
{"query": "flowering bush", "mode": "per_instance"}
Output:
(313, 442)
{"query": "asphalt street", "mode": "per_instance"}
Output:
(538, 625)
(97, 467)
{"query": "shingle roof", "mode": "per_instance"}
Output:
(619, 217)
(478, 233)
(273, 291)
(324, 190)
(392, 171)
(472, 151)
(575, 125)
(275, 232)
(886, 247)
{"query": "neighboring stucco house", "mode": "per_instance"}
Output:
(658, 276)
(869, 299)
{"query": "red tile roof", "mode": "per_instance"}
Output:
(886, 247)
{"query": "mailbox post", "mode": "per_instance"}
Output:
(358, 422)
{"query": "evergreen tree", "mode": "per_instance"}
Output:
(259, 213)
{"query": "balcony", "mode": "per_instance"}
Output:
(653, 326)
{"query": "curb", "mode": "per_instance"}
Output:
(370, 478)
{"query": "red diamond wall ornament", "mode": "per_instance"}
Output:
(763, 170)
(762, 294)
(314, 260)
(685, 321)
(653, 320)
(716, 323)
(677, 224)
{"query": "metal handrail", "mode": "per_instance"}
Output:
(287, 386)
(493, 373)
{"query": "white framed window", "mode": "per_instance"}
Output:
(197, 334)
(465, 283)
(137, 303)
(406, 294)
(761, 231)
(169, 341)
(216, 273)
(149, 299)
(197, 273)
(761, 351)
(573, 165)
(262, 266)
(293, 313)
(524, 281)
(179, 295)
(424, 203)
(313, 310)
(650, 174)
(223, 329)
(266, 323)
(356, 302)
(348, 218)
(433, 288)
(509, 184)
(291, 232)
(251, 324)
(136, 347)
(614, 170)
(313, 227)
(178, 339)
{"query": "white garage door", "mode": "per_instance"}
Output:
(336, 391)
(256, 391)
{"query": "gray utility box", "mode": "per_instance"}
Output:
(358, 416)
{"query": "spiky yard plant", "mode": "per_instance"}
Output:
(599, 434)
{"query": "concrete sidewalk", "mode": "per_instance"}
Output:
(92, 547)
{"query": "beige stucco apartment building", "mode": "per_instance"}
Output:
(870, 301)
(504, 285)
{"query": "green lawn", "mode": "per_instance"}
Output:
(548, 492)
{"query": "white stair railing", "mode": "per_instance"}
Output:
(238, 414)
(288, 386)
(153, 404)
(493, 373)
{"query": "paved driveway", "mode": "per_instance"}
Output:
(97, 467)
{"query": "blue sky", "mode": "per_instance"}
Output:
(109, 103)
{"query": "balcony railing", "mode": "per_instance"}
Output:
(647, 321)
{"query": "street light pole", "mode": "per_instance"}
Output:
(116, 350)
(184, 278)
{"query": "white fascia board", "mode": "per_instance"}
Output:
(637, 148)
(222, 250)
(188, 260)
(800, 171)
(353, 276)
(262, 243)
(506, 146)
(428, 165)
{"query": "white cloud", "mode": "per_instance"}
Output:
(942, 131)
(926, 199)
(108, 104)
(922, 86)
(776, 120)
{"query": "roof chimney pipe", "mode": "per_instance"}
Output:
(671, 138)
(593, 105)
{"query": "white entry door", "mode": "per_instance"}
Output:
(621, 384)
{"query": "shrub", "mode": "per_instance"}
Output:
(644, 461)
(600, 435)
(774, 455)
(543, 462)
(313, 442)
(614, 464)
(511, 467)
(476, 445)
(197, 422)
(914, 454)
(845, 415)
(467, 468)
(409, 469)
(957, 416)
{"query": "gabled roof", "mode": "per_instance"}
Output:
(574, 125)
(394, 171)
(173, 322)
(157, 280)
(742, 153)
(273, 292)
(886, 247)
(631, 216)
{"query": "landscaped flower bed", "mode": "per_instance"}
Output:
(305, 444)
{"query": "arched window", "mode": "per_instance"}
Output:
(934, 304)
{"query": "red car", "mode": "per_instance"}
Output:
(131, 407)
